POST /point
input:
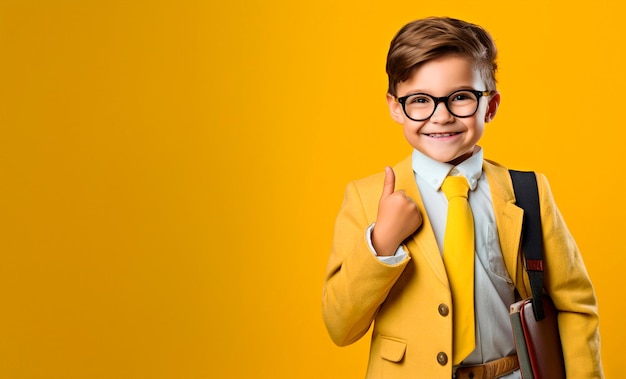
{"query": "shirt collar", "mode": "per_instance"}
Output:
(434, 172)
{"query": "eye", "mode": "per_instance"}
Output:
(418, 99)
(463, 96)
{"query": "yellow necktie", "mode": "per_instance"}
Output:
(458, 257)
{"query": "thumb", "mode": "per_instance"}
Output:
(390, 182)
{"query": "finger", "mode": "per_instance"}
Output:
(407, 197)
(390, 182)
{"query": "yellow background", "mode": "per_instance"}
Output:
(170, 171)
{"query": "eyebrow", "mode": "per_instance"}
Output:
(415, 92)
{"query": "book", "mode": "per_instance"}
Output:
(538, 343)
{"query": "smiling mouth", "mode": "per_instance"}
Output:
(441, 135)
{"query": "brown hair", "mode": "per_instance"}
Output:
(423, 40)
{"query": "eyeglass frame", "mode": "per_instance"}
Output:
(444, 99)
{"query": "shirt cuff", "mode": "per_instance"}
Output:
(398, 257)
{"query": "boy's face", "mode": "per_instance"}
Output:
(445, 137)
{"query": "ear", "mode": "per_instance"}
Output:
(395, 108)
(492, 107)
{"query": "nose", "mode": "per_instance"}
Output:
(441, 115)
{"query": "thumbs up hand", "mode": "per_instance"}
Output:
(398, 217)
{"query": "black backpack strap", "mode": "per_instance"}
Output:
(527, 198)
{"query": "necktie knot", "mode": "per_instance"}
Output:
(455, 186)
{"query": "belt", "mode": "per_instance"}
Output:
(490, 370)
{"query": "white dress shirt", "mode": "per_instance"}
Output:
(493, 288)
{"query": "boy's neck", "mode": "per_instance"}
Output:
(458, 160)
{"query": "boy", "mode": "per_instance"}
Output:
(388, 260)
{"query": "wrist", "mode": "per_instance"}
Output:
(383, 247)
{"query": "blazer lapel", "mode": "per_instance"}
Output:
(423, 241)
(509, 219)
(508, 216)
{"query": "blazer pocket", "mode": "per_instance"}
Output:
(392, 349)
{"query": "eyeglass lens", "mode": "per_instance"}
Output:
(460, 104)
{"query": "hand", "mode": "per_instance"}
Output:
(398, 217)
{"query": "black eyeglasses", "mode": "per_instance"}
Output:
(461, 103)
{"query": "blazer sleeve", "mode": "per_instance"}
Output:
(356, 282)
(569, 285)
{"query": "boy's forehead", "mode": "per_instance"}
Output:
(449, 72)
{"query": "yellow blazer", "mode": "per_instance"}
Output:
(412, 336)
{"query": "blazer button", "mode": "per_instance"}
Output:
(442, 358)
(443, 310)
